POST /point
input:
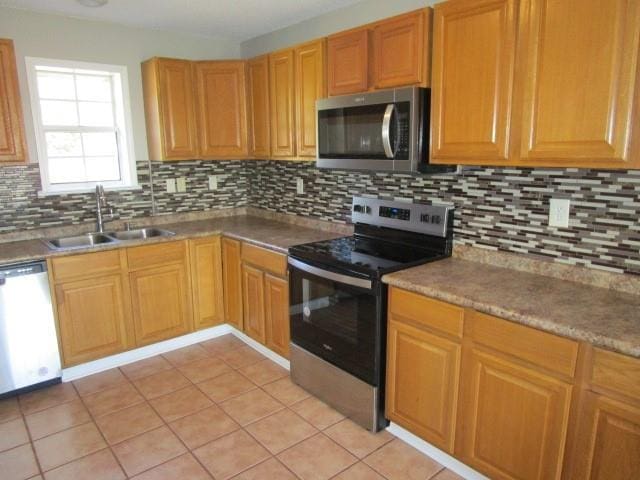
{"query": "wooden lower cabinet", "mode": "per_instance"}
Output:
(232, 282)
(93, 318)
(206, 282)
(422, 382)
(609, 440)
(161, 303)
(513, 419)
(253, 302)
(276, 298)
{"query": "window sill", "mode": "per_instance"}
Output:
(53, 193)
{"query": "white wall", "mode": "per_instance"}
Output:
(332, 22)
(53, 36)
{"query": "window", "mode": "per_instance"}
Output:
(82, 124)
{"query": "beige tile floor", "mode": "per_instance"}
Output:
(218, 410)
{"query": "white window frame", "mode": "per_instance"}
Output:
(122, 104)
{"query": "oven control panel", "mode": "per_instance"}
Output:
(415, 217)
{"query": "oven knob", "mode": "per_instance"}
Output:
(357, 208)
(424, 218)
(435, 219)
(362, 209)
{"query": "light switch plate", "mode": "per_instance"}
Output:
(299, 186)
(171, 185)
(559, 212)
(213, 182)
(182, 184)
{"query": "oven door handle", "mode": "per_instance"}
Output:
(336, 277)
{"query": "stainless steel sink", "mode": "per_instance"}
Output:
(79, 241)
(140, 234)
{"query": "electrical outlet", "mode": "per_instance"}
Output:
(171, 185)
(213, 182)
(299, 186)
(559, 212)
(182, 184)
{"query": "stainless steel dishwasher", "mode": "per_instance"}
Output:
(29, 355)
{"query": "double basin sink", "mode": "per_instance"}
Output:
(96, 239)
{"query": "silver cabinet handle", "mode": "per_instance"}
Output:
(386, 131)
(336, 277)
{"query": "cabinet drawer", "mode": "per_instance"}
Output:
(85, 265)
(426, 311)
(616, 372)
(546, 350)
(157, 254)
(265, 259)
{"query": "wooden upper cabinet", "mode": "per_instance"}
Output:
(400, 50)
(473, 70)
(310, 85)
(281, 101)
(206, 282)
(221, 108)
(258, 98)
(170, 109)
(12, 139)
(348, 62)
(577, 81)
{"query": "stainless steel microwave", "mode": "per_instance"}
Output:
(383, 130)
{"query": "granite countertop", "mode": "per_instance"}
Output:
(603, 317)
(271, 234)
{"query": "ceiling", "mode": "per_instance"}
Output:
(235, 19)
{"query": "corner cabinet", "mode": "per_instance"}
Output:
(93, 310)
(13, 148)
(536, 83)
(258, 99)
(170, 109)
(206, 281)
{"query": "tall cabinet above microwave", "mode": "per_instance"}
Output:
(382, 130)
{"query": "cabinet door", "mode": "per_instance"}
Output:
(177, 110)
(422, 383)
(609, 440)
(400, 50)
(232, 281)
(348, 62)
(222, 112)
(260, 137)
(93, 315)
(281, 102)
(253, 302)
(206, 282)
(513, 419)
(12, 139)
(277, 314)
(161, 303)
(473, 68)
(310, 80)
(576, 82)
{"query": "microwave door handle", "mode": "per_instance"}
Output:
(386, 131)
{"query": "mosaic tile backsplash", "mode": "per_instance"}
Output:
(498, 208)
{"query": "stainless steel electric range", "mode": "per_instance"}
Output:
(338, 303)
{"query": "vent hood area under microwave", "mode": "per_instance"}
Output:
(384, 130)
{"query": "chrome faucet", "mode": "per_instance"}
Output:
(102, 203)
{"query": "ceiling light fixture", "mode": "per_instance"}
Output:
(92, 3)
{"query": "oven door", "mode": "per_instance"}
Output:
(336, 317)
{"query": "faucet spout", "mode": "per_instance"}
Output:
(101, 203)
